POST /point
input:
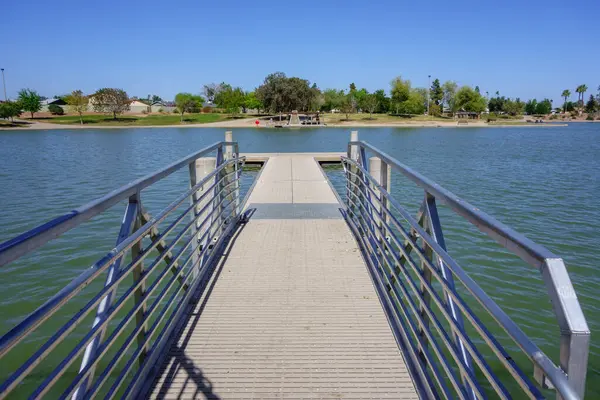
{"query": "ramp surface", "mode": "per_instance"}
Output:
(291, 311)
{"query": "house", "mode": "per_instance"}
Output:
(55, 101)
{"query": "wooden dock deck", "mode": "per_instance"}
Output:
(291, 311)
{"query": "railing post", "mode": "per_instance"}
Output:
(199, 168)
(434, 229)
(381, 174)
(425, 297)
(353, 177)
(231, 169)
(130, 220)
(138, 275)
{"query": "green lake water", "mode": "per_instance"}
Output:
(544, 182)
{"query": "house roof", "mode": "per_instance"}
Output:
(58, 102)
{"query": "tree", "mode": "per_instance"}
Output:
(231, 99)
(252, 103)
(415, 104)
(531, 107)
(30, 101)
(400, 92)
(279, 93)
(581, 89)
(468, 99)
(369, 103)
(347, 105)
(566, 94)
(436, 92)
(187, 102)
(449, 88)
(78, 102)
(592, 105)
(111, 101)
(210, 91)
(497, 104)
(477, 89)
(513, 107)
(544, 107)
(383, 102)
(332, 99)
(10, 109)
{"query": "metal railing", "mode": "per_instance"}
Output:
(449, 350)
(132, 324)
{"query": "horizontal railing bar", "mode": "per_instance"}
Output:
(51, 343)
(519, 244)
(169, 326)
(128, 318)
(554, 374)
(483, 331)
(46, 310)
(117, 306)
(424, 349)
(483, 365)
(40, 235)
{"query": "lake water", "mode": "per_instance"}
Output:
(544, 182)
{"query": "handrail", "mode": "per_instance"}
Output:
(371, 212)
(40, 235)
(187, 251)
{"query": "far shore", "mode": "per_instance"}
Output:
(250, 123)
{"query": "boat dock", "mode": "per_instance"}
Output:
(295, 291)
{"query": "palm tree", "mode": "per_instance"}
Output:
(566, 94)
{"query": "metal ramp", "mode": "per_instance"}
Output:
(292, 312)
(289, 293)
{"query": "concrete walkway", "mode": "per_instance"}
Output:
(291, 311)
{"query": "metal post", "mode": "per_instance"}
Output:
(198, 170)
(428, 92)
(4, 84)
(380, 172)
(354, 148)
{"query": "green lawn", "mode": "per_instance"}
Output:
(377, 118)
(153, 119)
(5, 123)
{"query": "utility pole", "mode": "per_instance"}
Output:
(428, 91)
(4, 84)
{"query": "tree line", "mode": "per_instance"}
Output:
(279, 93)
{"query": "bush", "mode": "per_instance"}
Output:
(589, 118)
(554, 116)
(207, 110)
(56, 110)
(161, 110)
(175, 111)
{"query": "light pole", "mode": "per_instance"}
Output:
(428, 90)
(4, 84)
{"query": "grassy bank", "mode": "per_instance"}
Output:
(146, 120)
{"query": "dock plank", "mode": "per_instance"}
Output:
(292, 312)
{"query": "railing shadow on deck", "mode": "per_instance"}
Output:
(181, 360)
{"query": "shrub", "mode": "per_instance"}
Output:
(207, 110)
(144, 111)
(161, 110)
(589, 118)
(554, 116)
(56, 110)
(175, 111)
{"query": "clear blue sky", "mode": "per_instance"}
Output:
(527, 48)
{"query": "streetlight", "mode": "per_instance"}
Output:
(4, 84)
(428, 90)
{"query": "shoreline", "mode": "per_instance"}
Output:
(249, 123)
